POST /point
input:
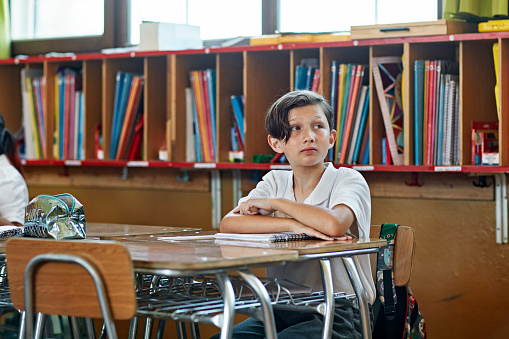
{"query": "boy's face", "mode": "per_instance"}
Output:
(310, 137)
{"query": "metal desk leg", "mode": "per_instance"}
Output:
(133, 327)
(263, 296)
(329, 297)
(90, 328)
(39, 325)
(22, 320)
(229, 304)
(361, 295)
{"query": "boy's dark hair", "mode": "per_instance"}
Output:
(276, 118)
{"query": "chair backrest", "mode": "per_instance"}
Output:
(403, 253)
(67, 288)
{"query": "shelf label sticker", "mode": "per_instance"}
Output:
(137, 163)
(363, 168)
(447, 168)
(72, 162)
(204, 165)
(283, 167)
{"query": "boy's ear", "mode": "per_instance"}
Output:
(275, 144)
(332, 138)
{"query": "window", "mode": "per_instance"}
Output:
(217, 19)
(337, 16)
(74, 18)
(41, 26)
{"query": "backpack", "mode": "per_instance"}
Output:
(396, 313)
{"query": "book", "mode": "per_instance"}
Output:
(362, 129)
(120, 114)
(7, 231)
(190, 137)
(392, 72)
(357, 124)
(359, 74)
(264, 237)
(484, 142)
(238, 112)
(301, 74)
(133, 106)
(497, 76)
(418, 109)
(196, 82)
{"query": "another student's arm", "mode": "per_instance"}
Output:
(7, 222)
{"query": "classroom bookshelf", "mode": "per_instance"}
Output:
(261, 74)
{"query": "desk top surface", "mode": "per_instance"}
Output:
(151, 253)
(110, 231)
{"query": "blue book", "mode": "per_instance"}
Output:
(362, 127)
(211, 85)
(365, 151)
(300, 77)
(309, 77)
(238, 112)
(418, 110)
(81, 127)
(119, 82)
(61, 113)
(126, 89)
(197, 143)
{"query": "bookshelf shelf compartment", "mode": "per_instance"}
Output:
(262, 74)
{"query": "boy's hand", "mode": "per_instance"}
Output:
(255, 206)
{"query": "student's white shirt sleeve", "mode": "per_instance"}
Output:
(351, 189)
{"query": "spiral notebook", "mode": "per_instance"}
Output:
(264, 237)
(8, 231)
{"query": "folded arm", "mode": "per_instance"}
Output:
(327, 222)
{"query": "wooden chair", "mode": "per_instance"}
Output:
(403, 253)
(71, 278)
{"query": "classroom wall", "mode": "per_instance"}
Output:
(459, 279)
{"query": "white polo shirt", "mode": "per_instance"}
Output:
(337, 186)
(13, 192)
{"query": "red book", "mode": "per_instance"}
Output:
(206, 109)
(359, 72)
(135, 150)
(316, 80)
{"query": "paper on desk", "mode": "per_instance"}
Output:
(186, 237)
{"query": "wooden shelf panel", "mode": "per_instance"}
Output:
(260, 166)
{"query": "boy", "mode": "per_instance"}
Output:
(313, 198)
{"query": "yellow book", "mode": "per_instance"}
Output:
(196, 82)
(330, 37)
(497, 91)
(33, 118)
(270, 39)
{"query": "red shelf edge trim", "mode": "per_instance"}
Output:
(260, 166)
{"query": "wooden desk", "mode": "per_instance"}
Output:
(186, 257)
(193, 257)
